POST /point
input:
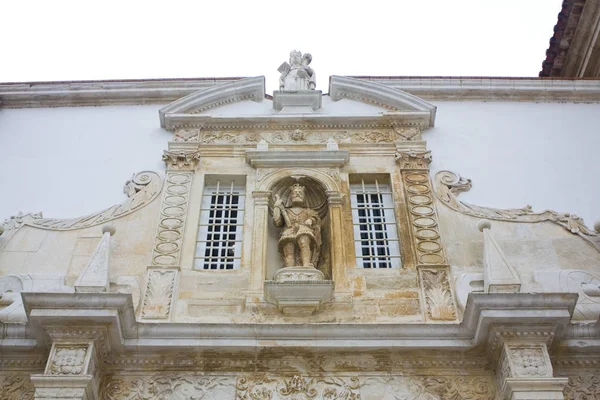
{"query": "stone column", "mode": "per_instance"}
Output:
(524, 371)
(71, 372)
(338, 270)
(259, 239)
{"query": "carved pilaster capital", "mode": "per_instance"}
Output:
(335, 198)
(181, 160)
(413, 159)
(261, 197)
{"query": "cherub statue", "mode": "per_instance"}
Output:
(297, 75)
(301, 229)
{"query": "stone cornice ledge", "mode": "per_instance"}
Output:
(495, 89)
(306, 158)
(526, 312)
(97, 93)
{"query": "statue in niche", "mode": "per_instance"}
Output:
(297, 75)
(300, 239)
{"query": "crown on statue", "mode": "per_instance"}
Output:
(295, 53)
(297, 187)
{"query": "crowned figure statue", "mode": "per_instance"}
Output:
(297, 75)
(300, 239)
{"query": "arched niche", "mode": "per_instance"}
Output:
(323, 193)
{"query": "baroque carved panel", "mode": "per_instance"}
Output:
(159, 293)
(439, 300)
(428, 388)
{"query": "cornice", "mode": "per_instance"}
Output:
(494, 89)
(164, 91)
(102, 93)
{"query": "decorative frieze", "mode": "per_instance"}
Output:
(159, 293)
(181, 160)
(298, 136)
(265, 387)
(439, 300)
(168, 386)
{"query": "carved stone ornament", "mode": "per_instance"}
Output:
(16, 387)
(181, 160)
(159, 294)
(413, 159)
(187, 135)
(68, 361)
(168, 386)
(297, 387)
(141, 189)
(297, 75)
(438, 294)
(583, 388)
(298, 136)
(449, 184)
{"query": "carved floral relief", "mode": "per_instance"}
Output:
(16, 387)
(438, 294)
(168, 387)
(264, 387)
(68, 361)
(159, 294)
(583, 388)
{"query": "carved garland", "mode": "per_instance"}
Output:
(449, 184)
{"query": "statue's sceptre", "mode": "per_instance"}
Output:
(279, 205)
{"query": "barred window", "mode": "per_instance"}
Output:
(219, 240)
(376, 240)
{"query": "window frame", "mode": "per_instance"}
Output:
(217, 218)
(375, 216)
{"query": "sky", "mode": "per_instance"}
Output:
(84, 40)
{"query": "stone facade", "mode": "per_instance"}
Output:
(476, 303)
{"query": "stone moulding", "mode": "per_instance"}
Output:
(141, 190)
(244, 89)
(382, 96)
(307, 158)
(448, 185)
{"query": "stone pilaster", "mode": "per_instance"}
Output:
(524, 371)
(71, 372)
(162, 274)
(259, 238)
(338, 267)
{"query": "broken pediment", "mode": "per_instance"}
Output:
(350, 102)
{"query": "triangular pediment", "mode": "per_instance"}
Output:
(350, 101)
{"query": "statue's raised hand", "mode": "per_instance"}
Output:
(278, 202)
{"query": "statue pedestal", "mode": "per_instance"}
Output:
(298, 291)
(297, 100)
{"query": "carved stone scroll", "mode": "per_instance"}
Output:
(439, 299)
(448, 185)
(583, 387)
(141, 189)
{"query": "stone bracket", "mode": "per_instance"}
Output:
(298, 298)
